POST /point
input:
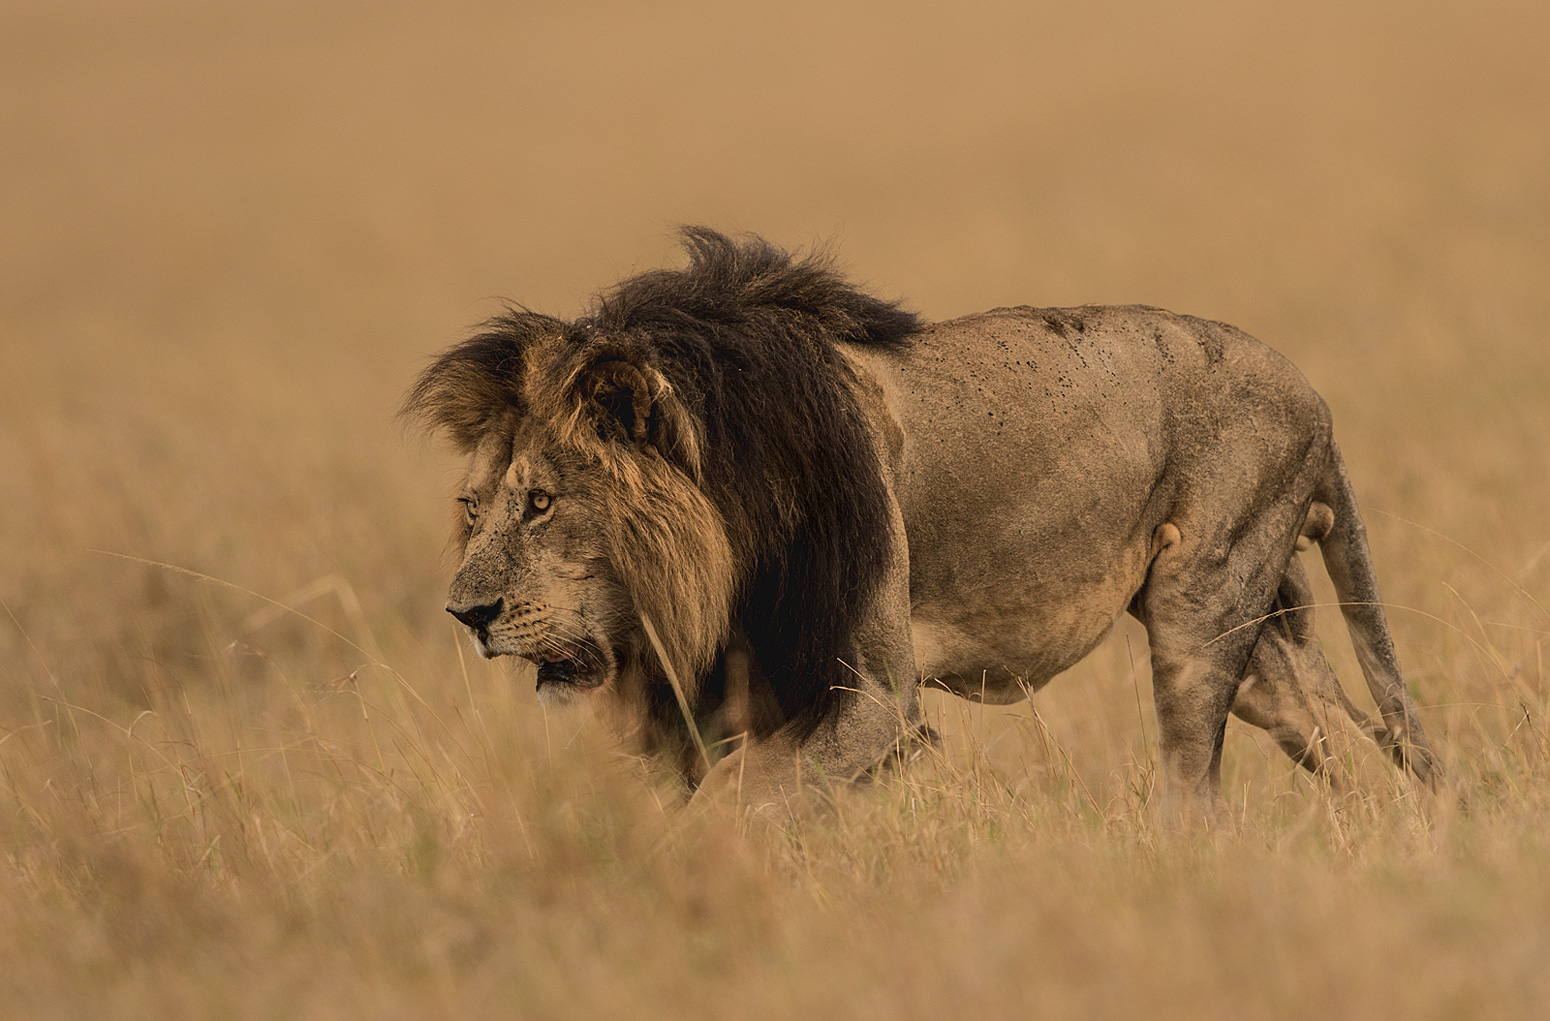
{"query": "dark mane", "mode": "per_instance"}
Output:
(470, 383)
(755, 287)
(746, 334)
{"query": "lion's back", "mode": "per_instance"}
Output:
(1043, 377)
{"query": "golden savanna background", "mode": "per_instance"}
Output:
(231, 234)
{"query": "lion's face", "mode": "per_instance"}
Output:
(582, 516)
(535, 579)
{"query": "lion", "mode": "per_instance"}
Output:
(746, 500)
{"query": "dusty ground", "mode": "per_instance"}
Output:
(231, 237)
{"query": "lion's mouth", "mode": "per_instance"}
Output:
(563, 672)
(570, 667)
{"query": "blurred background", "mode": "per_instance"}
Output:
(233, 233)
(230, 235)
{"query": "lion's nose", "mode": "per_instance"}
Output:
(478, 617)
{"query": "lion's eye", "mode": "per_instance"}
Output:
(538, 500)
(470, 508)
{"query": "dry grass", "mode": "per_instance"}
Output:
(230, 239)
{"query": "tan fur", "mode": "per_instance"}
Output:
(670, 550)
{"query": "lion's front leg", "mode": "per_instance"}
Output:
(880, 712)
(773, 773)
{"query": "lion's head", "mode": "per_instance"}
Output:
(638, 462)
(581, 507)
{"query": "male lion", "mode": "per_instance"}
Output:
(806, 502)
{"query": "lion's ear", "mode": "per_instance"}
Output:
(476, 383)
(636, 404)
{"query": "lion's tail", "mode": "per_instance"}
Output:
(1348, 560)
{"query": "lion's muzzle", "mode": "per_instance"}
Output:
(478, 618)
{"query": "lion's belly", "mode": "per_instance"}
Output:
(1006, 593)
(1006, 633)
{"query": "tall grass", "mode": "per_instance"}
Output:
(244, 766)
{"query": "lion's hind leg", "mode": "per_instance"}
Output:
(1202, 605)
(1291, 693)
(1218, 568)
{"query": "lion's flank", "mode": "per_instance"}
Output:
(721, 379)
